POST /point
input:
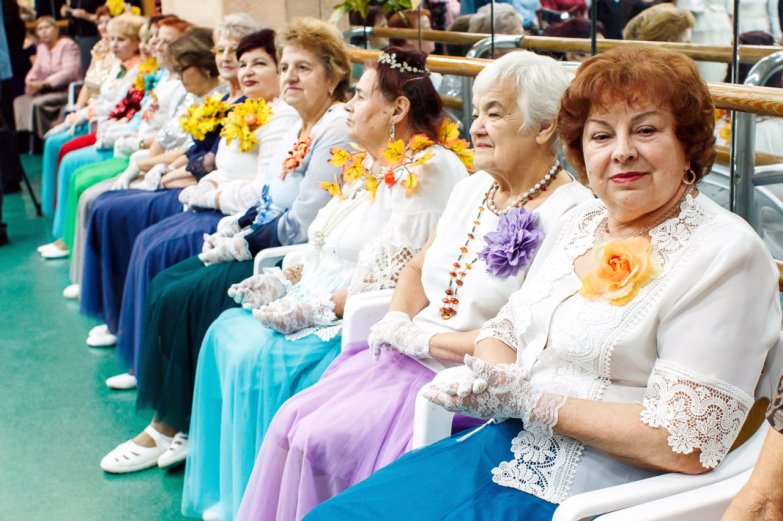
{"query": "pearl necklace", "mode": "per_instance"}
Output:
(536, 189)
(460, 269)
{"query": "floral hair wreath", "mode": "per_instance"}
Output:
(391, 61)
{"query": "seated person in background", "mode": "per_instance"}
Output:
(57, 64)
(573, 28)
(660, 23)
(412, 19)
(623, 355)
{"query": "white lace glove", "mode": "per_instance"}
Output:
(484, 390)
(259, 290)
(125, 146)
(228, 226)
(396, 332)
(289, 316)
(226, 249)
(123, 181)
(200, 194)
(151, 181)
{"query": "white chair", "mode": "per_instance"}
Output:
(361, 312)
(269, 257)
(627, 502)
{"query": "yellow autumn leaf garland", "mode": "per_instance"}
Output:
(201, 119)
(353, 169)
(396, 155)
(242, 122)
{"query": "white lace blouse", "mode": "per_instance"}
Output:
(689, 346)
(482, 294)
(366, 243)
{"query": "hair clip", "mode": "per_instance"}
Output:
(391, 61)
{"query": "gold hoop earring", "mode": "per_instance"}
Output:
(689, 177)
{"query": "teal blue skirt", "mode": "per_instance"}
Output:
(244, 374)
(450, 480)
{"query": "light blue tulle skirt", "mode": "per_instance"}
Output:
(69, 164)
(51, 150)
(244, 374)
(448, 481)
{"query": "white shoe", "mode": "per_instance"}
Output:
(130, 457)
(72, 292)
(176, 453)
(101, 339)
(54, 252)
(46, 246)
(121, 382)
(212, 513)
(103, 329)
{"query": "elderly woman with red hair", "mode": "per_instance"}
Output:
(623, 354)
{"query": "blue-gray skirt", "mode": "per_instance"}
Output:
(450, 480)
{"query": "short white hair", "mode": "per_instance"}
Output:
(540, 83)
(235, 26)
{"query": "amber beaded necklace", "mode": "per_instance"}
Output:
(460, 269)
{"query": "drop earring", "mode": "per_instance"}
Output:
(391, 131)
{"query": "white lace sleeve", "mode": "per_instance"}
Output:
(501, 327)
(411, 221)
(700, 412)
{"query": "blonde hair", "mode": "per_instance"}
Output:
(659, 23)
(128, 25)
(326, 42)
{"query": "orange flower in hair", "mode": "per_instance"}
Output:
(620, 269)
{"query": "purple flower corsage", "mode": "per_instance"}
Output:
(513, 245)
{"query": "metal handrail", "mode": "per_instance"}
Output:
(743, 143)
(696, 51)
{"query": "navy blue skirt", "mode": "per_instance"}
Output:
(164, 244)
(450, 480)
(117, 217)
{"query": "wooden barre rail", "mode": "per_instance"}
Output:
(704, 52)
(764, 101)
(762, 159)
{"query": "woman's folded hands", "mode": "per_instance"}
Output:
(261, 289)
(484, 390)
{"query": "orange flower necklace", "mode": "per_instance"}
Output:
(296, 156)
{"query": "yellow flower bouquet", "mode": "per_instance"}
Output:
(242, 122)
(202, 119)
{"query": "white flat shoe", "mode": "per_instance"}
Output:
(72, 292)
(99, 330)
(176, 453)
(212, 513)
(101, 340)
(121, 382)
(130, 457)
(54, 253)
(46, 246)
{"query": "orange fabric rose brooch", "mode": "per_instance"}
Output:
(620, 269)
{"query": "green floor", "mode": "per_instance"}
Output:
(57, 418)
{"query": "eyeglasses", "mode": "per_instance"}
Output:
(179, 69)
(219, 51)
